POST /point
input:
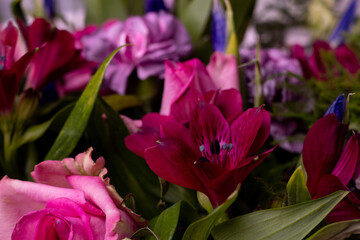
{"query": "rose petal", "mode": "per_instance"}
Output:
(223, 71)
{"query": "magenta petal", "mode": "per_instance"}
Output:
(18, 198)
(347, 209)
(8, 39)
(223, 71)
(319, 47)
(51, 172)
(41, 225)
(298, 52)
(181, 76)
(208, 127)
(182, 108)
(55, 54)
(263, 133)
(147, 135)
(322, 148)
(347, 58)
(230, 104)
(226, 183)
(346, 165)
(38, 33)
(119, 223)
(173, 158)
(244, 131)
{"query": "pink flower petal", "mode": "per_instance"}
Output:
(223, 71)
(18, 198)
(101, 198)
(181, 76)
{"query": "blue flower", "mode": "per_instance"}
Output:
(344, 24)
(338, 107)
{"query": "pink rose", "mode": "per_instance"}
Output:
(220, 73)
(69, 200)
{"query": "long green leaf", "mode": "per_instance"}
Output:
(165, 224)
(297, 191)
(195, 15)
(77, 121)
(337, 231)
(130, 173)
(201, 229)
(292, 222)
(243, 11)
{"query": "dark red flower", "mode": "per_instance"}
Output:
(331, 167)
(209, 148)
(56, 54)
(314, 65)
(11, 71)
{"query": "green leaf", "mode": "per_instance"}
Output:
(292, 222)
(129, 173)
(195, 15)
(201, 229)
(120, 102)
(144, 232)
(337, 231)
(165, 224)
(242, 14)
(77, 121)
(297, 192)
(35, 132)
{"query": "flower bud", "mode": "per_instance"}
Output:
(27, 104)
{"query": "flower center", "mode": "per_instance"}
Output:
(214, 152)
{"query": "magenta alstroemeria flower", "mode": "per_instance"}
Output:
(69, 200)
(56, 55)
(313, 66)
(220, 73)
(11, 71)
(330, 166)
(213, 151)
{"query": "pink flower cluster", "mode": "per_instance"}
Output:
(70, 199)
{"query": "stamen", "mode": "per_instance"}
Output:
(224, 146)
(215, 147)
(202, 148)
(230, 146)
(2, 58)
(256, 158)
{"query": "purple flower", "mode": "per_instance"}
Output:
(275, 64)
(154, 38)
(277, 89)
